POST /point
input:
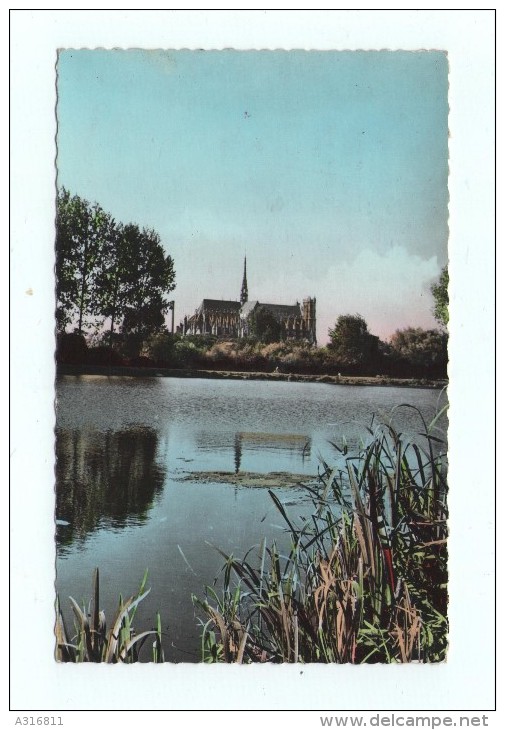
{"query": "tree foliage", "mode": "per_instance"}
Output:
(108, 272)
(116, 281)
(81, 232)
(153, 279)
(441, 295)
(264, 325)
(424, 351)
(350, 340)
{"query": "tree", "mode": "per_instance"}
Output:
(117, 278)
(153, 279)
(144, 320)
(264, 325)
(423, 351)
(81, 233)
(351, 341)
(154, 273)
(441, 296)
(108, 271)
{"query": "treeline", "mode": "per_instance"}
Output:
(411, 352)
(110, 276)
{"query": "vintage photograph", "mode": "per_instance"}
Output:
(252, 322)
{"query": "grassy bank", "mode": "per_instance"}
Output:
(126, 371)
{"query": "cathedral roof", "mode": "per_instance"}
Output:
(248, 308)
(282, 311)
(219, 305)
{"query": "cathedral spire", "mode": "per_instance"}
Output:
(244, 296)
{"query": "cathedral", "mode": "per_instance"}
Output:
(231, 319)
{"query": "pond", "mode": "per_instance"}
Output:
(157, 472)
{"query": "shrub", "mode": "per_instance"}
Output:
(103, 355)
(71, 349)
(186, 353)
(274, 349)
(222, 351)
(141, 361)
(160, 347)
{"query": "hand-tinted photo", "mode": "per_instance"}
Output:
(251, 342)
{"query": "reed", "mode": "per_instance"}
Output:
(92, 642)
(364, 578)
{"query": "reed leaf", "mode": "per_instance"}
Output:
(93, 643)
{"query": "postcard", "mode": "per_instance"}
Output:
(251, 294)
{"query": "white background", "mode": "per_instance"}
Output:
(466, 681)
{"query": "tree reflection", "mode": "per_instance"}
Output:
(110, 477)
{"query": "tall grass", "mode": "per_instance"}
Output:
(92, 642)
(364, 578)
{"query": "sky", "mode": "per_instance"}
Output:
(327, 169)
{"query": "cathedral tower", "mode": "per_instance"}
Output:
(244, 296)
(309, 318)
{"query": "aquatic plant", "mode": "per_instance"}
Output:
(92, 642)
(364, 578)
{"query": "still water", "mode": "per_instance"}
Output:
(129, 489)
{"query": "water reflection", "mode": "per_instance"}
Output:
(123, 445)
(241, 443)
(293, 443)
(102, 478)
(238, 451)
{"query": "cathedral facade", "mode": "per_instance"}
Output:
(231, 318)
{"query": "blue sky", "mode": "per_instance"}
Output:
(328, 169)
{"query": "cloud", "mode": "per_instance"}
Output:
(391, 290)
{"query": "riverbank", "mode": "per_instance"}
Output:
(124, 371)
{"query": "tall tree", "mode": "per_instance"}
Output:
(108, 271)
(441, 295)
(81, 233)
(153, 278)
(117, 276)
